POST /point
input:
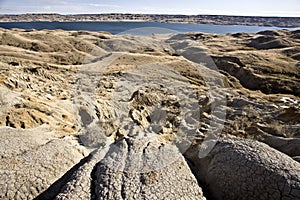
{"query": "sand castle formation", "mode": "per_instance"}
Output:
(89, 115)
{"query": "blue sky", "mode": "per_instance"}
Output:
(226, 7)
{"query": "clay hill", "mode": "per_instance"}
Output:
(89, 115)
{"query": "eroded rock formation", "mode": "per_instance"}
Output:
(247, 169)
(89, 115)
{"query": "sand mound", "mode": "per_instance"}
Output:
(269, 33)
(268, 42)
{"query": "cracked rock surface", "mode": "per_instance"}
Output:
(134, 169)
(247, 169)
(31, 160)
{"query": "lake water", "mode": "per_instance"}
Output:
(139, 28)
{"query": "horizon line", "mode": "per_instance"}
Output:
(124, 13)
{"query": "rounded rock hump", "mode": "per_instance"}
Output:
(248, 169)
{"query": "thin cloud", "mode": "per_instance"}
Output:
(104, 5)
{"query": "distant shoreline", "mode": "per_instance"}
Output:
(282, 22)
(117, 27)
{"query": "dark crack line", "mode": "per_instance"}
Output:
(201, 183)
(54, 189)
(123, 188)
(93, 195)
(142, 176)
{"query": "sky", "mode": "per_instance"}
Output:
(188, 7)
